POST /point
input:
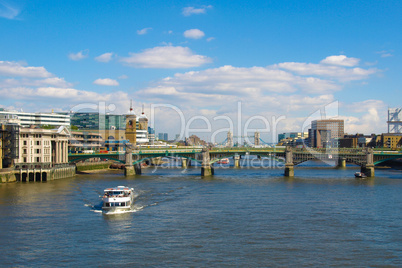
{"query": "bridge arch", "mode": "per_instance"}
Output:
(86, 157)
(139, 161)
(387, 159)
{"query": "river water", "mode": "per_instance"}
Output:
(239, 217)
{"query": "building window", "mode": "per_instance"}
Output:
(38, 159)
(37, 142)
(25, 142)
(25, 160)
(38, 151)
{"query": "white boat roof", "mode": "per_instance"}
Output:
(118, 188)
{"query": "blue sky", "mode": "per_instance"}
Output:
(277, 58)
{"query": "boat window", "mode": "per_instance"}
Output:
(107, 205)
(122, 204)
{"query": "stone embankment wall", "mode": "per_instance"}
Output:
(36, 174)
(87, 166)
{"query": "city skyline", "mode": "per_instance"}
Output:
(277, 58)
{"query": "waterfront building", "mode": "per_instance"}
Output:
(43, 146)
(31, 146)
(9, 139)
(151, 135)
(355, 141)
(391, 140)
(292, 135)
(293, 142)
(323, 133)
(229, 139)
(39, 119)
(114, 127)
(163, 136)
(85, 141)
(98, 121)
(394, 120)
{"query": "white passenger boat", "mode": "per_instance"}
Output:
(120, 198)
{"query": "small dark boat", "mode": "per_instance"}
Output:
(360, 175)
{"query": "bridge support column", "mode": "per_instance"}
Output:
(368, 168)
(341, 162)
(289, 170)
(185, 162)
(129, 168)
(206, 168)
(289, 166)
(237, 161)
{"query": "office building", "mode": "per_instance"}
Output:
(98, 121)
(163, 136)
(325, 133)
(111, 127)
(292, 135)
(39, 119)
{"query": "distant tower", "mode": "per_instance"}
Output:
(131, 125)
(257, 138)
(143, 120)
(229, 140)
(394, 120)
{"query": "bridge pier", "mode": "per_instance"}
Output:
(289, 170)
(289, 166)
(368, 168)
(185, 162)
(236, 161)
(206, 168)
(129, 168)
(341, 163)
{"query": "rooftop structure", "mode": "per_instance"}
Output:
(29, 119)
(394, 120)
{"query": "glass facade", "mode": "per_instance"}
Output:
(98, 121)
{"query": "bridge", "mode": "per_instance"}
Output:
(366, 158)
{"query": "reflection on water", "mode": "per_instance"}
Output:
(239, 217)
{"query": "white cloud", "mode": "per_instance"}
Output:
(24, 82)
(194, 34)
(209, 39)
(165, 57)
(337, 72)
(143, 31)
(188, 11)
(253, 82)
(123, 76)
(78, 56)
(36, 89)
(267, 91)
(106, 82)
(106, 57)
(385, 53)
(10, 68)
(341, 60)
(7, 11)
